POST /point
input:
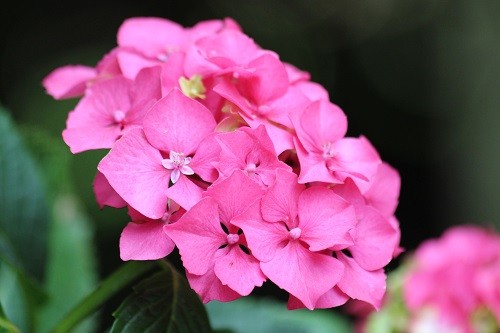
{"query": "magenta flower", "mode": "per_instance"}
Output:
(250, 151)
(289, 231)
(324, 154)
(109, 109)
(169, 149)
(208, 241)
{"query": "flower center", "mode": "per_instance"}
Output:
(193, 88)
(118, 116)
(295, 233)
(232, 239)
(328, 151)
(178, 163)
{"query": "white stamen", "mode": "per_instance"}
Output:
(118, 116)
(295, 233)
(233, 239)
(178, 163)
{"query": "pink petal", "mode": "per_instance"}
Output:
(332, 298)
(263, 238)
(320, 123)
(133, 168)
(383, 190)
(325, 218)
(375, 239)
(105, 194)
(178, 123)
(304, 274)
(368, 286)
(280, 201)
(206, 155)
(198, 235)
(131, 63)
(210, 288)
(184, 192)
(171, 71)
(88, 138)
(144, 241)
(234, 195)
(150, 35)
(356, 155)
(313, 167)
(68, 81)
(238, 270)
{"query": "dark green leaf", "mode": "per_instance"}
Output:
(24, 208)
(163, 302)
(248, 315)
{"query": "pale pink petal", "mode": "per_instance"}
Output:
(184, 192)
(198, 234)
(368, 286)
(324, 218)
(238, 270)
(133, 168)
(304, 274)
(178, 123)
(375, 239)
(280, 201)
(314, 91)
(234, 195)
(68, 81)
(144, 241)
(152, 36)
(105, 194)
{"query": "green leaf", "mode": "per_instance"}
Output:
(71, 273)
(163, 302)
(248, 315)
(5, 325)
(24, 208)
(108, 288)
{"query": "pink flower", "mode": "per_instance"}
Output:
(250, 151)
(169, 149)
(208, 241)
(324, 154)
(68, 81)
(289, 231)
(464, 257)
(109, 109)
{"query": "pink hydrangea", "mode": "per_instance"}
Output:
(219, 148)
(467, 258)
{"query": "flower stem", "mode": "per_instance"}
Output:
(109, 287)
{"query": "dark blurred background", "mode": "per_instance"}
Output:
(419, 78)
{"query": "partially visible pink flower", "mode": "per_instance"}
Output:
(324, 154)
(462, 257)
(289, 231)
(109, 109)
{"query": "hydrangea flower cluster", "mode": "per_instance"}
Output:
(450, 284)
(236, 158)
